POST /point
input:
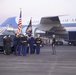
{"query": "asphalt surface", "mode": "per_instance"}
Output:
(63, 63)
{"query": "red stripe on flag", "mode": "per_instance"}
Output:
(19, 23)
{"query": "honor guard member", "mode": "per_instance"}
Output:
(53, 45)
(28, 47)
(19, 44)
(31, 44)
(27, 51)
(15, 44)
(38, 42)
(8, 44)
(24, 44)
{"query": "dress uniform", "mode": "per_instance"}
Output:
(38, 42)
(15, 44)
(24, 44)
(19, 44)
(31, 43)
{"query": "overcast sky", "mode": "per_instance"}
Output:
(36, 8)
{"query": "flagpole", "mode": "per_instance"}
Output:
(31, 23)
(21, 23)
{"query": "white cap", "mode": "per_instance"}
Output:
(53, 36)
(38, 35)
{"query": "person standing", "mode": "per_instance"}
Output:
(19, 44)
(15, 44)
(4, 44)
(8, 41)
(24, 44)
(38, 42)
(53, 45)
(31, 44)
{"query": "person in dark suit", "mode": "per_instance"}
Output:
(8, 41)
(4, 44)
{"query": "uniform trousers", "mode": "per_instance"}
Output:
(38, 49)
(24, 50)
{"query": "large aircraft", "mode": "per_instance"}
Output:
(59, 25)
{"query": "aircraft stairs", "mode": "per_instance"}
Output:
(2, 29)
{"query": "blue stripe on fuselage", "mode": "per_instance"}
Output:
(69, 24)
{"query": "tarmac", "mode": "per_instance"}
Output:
(62, 63)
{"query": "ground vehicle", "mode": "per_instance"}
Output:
(72, 37)
(59, 42)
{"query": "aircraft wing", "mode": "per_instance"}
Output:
(51, 24)
(47, 23)
(50, 20)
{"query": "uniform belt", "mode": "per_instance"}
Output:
(23, 41)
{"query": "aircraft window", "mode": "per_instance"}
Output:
(75, 19)
(67, 20)
(72, 19)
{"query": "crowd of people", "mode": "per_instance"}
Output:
(22, 44)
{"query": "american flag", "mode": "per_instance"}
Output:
(20, 22)
(29, 28)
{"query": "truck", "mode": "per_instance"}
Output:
(72, 38)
